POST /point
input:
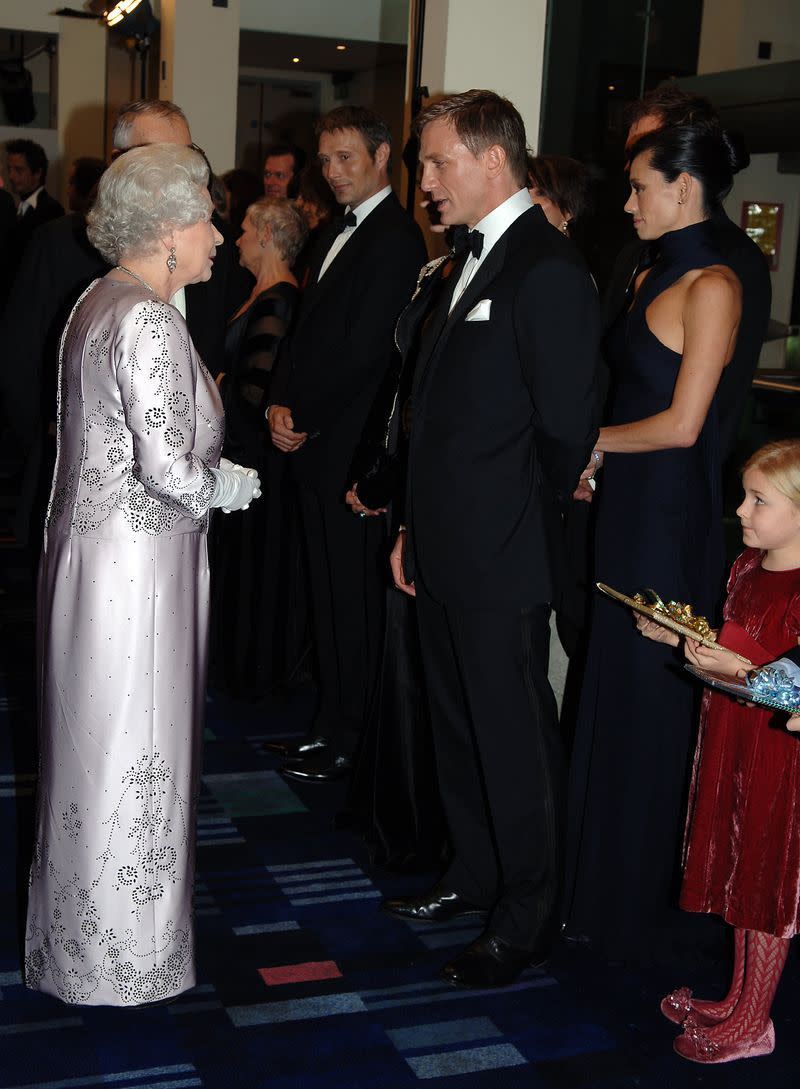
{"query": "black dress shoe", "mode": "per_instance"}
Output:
(321, 767)
(490, 961)
(297, 750)
(436, 907)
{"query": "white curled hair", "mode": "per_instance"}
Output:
(146, 193)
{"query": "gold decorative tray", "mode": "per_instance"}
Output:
(658, 613)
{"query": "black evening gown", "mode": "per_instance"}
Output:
(659, 525)
(251, 550)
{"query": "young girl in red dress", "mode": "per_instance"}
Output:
(742, 844)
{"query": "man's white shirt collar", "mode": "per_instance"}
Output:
(368, 205)
(494, 225)
(30, 201)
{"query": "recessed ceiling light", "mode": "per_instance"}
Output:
(341, 48)
(295, 60)
(612, 87)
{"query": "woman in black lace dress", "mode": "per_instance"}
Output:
(249, 554)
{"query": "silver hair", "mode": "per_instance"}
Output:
(289, 230)
(143, 195)
(150, 107)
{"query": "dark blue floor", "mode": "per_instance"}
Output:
(303, 983)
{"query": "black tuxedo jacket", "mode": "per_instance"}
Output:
(58, 265)
(342, 344)
(740, 253)
(19, 238)
(503, 420)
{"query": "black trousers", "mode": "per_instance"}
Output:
(346, 561)
(500, 762)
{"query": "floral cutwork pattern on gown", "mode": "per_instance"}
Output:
(147, 834)
(123, 625)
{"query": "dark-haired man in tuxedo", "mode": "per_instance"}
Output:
(331, 366)
(503, 413)
(27, 174)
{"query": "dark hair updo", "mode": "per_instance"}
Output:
(710, 157)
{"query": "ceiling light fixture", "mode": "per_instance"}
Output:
(295, 60)
(341, 48)
(116, 14)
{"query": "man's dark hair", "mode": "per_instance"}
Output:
(710, 157)
(482, 119)
(298, 156)
(674, 107)
(33, 153)
(562, 180)
(373, 129)
(87, 175)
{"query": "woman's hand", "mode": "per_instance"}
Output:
(357, 507)
(793, 724)
(657, 632)
(713, 660)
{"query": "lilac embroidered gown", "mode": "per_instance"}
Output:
(122, 633)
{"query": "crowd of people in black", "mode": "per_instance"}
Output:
(448, 450)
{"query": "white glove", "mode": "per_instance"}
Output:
(235, 486)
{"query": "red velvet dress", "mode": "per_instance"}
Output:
(742, 847)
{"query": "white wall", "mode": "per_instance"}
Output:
(463, 50)
(732, 29)
(29, 15)
(761, 181)
(200, 71)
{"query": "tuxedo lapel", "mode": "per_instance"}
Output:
(435, 323)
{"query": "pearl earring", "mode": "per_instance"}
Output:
(172, 260)
(564, 228)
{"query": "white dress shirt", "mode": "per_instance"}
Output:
(361, 213)
(30, 201)
(493, 226)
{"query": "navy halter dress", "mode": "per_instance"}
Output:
(659, 525)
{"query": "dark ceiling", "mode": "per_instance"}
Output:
(261, 49)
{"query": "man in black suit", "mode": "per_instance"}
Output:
(27, 174)
(340, 350)
(502, 422)
(58, 265)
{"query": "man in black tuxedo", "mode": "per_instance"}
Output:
(58, 265)
(27, 173)
(502, 422)
(362, 274)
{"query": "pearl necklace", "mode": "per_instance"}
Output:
(135, 275)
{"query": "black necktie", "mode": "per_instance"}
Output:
(464, 239)
(348, 220)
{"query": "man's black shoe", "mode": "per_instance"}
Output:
(320, 767)
(436, 907)
(490, 961)
(297, 750)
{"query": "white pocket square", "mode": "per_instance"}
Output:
(480, 311)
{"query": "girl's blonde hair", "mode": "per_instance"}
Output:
(780, 463)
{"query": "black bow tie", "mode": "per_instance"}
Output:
(348, 220)
(464, 239)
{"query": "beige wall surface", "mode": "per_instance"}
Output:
(762, 182)
(732, 29)
(200, 71)
(499, 46)
(360, 20)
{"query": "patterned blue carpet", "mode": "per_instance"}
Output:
(303, 983)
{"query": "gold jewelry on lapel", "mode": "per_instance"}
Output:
(172, 260)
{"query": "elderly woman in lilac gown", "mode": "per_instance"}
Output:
(123, 601)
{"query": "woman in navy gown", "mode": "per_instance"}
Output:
(659, 525)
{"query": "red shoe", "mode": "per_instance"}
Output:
(678, 1005)
(698, 1047)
